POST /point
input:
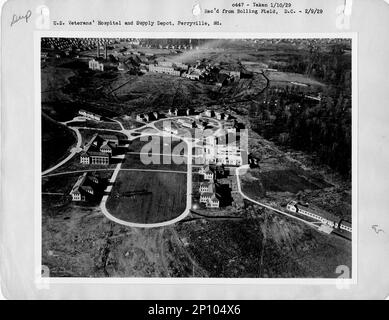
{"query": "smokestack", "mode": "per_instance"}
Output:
(98, 49)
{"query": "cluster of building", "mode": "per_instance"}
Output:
(187, 123)
(101, 63)
(212, 74)
(167, 67)
(179, 112)
(193, 74)
(208, 73)
(146, 117)
(84, 187)
(99, 149)
(216, 114)
(89, 115)
(207, 189)
(223, 149)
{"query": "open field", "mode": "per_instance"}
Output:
(167, 154)
(263, 245)
(53, 80)
(288, 180)
(148, 197)
(128, 123)
(81, 242)
(277, 78)
(156, 162)
(159, 144)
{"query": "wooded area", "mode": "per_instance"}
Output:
(291, 116)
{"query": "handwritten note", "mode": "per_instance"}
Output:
(376, 228)
(16, 18)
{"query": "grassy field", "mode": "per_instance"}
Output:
(162, 144)
(162, 196)
(128, 123)
(276, 78)
(163, 159)
(53, 80)
(136, 161)
(57, 141)
(288, 180)
(86, 134)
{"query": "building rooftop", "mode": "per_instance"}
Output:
(78, 183)
(208, 185)
(207, 194)
(90, 142)
(98, 154)
(109, 137)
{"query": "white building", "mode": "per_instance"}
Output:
(165, 64)
(99, 149)
(207, 172)
(208, 113)
(193, 74)
(210, 200)
(164, 70)
(213, 202)
(185, 123)
(173, 113)
(95, 65)
(83, 187)
(89, 115)
(218, 150)
(107, 147)
(207, 187)
(181, 66)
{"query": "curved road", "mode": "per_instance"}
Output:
(128, 133)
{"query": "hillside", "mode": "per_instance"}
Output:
(57, 139)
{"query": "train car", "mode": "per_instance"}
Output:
(296, 207)
(345, 225)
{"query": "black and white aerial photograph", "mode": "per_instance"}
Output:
(196, 158)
